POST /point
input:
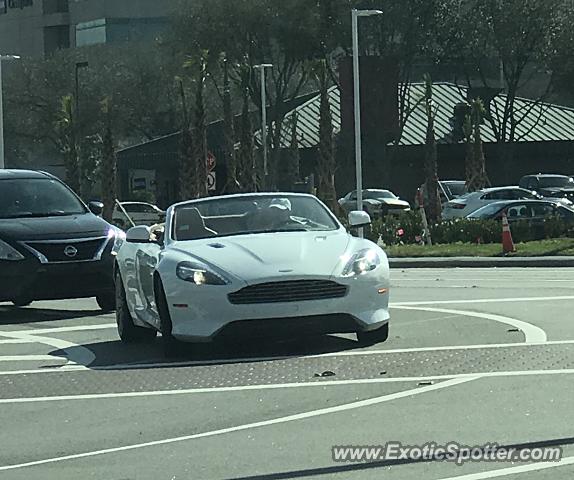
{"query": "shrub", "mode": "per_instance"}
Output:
(407, 229)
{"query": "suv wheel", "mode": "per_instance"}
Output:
(379, 335)
(107, 301)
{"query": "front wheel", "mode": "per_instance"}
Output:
(379, 335)
(127, 330)
(22, 302)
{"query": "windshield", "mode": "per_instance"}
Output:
(37, 197)
(375, 194)
(455, 189)
(251, 214)
(557, 181)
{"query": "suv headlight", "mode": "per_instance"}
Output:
(199, 274)
(362, 262)
(9, 253)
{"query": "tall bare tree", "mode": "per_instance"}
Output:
(434, 208)
(108, 167)
(327, 164)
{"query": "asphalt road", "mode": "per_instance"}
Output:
(475, 357)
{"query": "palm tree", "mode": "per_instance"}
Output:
(67, 142)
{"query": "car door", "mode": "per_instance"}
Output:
(146, 261)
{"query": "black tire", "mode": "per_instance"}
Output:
(22, 302)
(127, 330)
(107, 301)
(171, 346)
(376, 336)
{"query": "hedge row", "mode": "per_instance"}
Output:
(407, 229)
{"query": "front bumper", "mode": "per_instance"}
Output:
(202, 314)
(33, 280)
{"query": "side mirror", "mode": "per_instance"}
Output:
(358, 219)
(96, 208)
(139, 234)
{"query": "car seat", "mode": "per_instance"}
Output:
(190, 225)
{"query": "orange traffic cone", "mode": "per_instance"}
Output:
(507, 243)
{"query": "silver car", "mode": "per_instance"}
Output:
(466, 204)
(375, 203)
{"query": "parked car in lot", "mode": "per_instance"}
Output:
(140, 213)
(549, 186)
(375, 202)
(462, 206)
(251, 265)
(448, 190)
(533, 210)
(52, 246)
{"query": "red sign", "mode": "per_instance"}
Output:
(211, 162)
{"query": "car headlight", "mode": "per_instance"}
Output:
(9, 253)
(363, 261)
(199, 274)
(119, 237)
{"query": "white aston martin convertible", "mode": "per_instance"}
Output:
(252, 265)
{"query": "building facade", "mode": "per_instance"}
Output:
(39, 27)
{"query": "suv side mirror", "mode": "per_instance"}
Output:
(96, 208)
(358, 219)
(139, 234)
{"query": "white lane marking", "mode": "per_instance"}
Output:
(532, 333)
(278, 386)
(275, 421)
(78, 328)
(503, 472)
(74, 352)
(483, 300)
(13, 341)
(29, 358)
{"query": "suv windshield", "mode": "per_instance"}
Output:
(250, 214)
(557, 181)
(37, 197)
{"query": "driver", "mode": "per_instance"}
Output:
(280, 213)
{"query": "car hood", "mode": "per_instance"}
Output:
(271, 255)
(53, 228)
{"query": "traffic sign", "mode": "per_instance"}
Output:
(211, 181)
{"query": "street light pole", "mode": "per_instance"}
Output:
(262, 68)
(355, 14)
(2, 58)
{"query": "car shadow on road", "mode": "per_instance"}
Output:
(357, 466)
(114, 354)
(10, 315)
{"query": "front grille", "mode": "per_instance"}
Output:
(78, 250)
(288, 291)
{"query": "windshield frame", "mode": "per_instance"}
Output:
(83, 207)
(171, 211)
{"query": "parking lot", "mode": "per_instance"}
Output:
(475, 356)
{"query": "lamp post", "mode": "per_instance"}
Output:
(3, 58)
(355, 14)
(262, 68)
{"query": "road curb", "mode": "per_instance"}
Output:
(482, 262)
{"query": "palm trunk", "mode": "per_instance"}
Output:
(109, 166)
